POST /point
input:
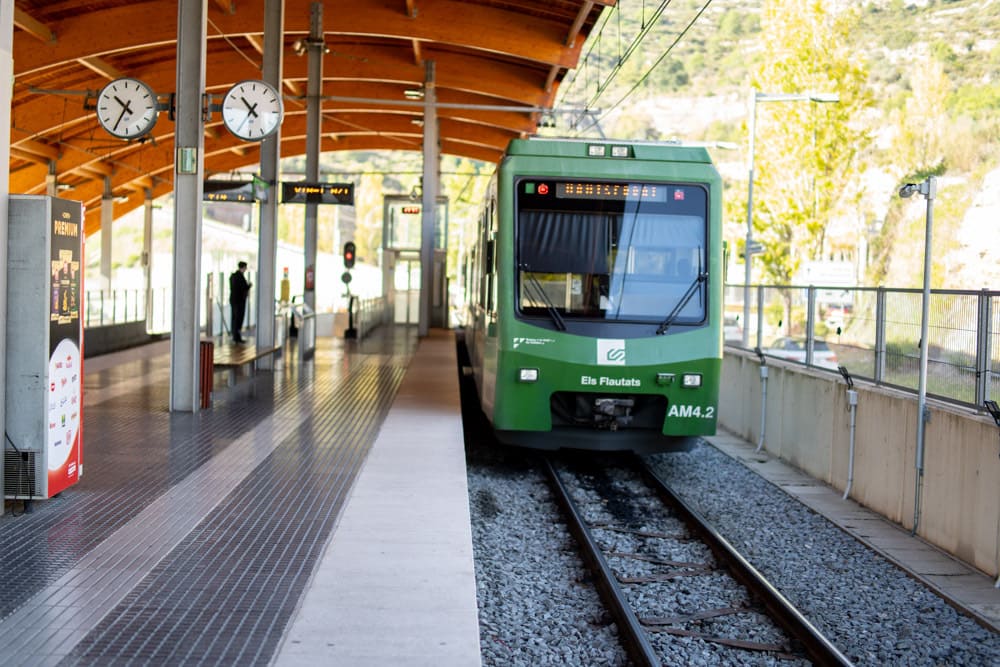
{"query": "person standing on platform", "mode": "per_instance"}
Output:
(239, 289)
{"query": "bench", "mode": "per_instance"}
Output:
(232, 356)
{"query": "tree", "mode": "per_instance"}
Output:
(806, 155)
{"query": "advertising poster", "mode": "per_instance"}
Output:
(65, 440)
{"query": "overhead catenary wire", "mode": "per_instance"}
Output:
(608, 110)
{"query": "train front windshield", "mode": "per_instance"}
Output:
(612, 250)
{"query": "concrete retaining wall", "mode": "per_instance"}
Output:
(808, 425)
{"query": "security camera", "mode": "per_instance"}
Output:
(908, 190)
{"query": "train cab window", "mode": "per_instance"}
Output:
(612, 251)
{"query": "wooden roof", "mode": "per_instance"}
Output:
(496, 53)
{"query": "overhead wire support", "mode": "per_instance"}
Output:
(643, 33)
(645, 29)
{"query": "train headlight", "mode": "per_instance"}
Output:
(691, 380)
(527, 375)
(665, 378)
(595, 150)
(619, 151)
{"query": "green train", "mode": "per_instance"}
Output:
(594, 296)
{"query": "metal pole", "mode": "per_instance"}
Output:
(747, 255)
(314, 138)
(928, 188)
(189, 142)
(428, 223)
(147, 256)
(6, 74)
(270, 149)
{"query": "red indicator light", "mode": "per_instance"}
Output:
(411, 210)
(543, 189)
(678, 195)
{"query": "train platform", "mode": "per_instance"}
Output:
(316, 513)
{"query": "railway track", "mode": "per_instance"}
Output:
(648, 551)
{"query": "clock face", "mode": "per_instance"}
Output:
(252, 110)
(127, 108)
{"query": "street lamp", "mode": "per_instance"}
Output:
(929, 190)
(750, 249)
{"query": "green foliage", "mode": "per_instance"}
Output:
(805, 151)
(975, 99)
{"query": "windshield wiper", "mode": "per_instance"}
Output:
(543, 297)
(698, 280)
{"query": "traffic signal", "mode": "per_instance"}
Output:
(349, 255)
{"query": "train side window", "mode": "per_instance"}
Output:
(490, 274)
(490, 248)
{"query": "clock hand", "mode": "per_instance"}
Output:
(252, 108)
(126, 108)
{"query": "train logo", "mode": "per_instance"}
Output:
(610, 352)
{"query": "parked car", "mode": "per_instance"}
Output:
(732, 332)
(795, 349)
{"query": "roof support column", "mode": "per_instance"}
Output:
(428, 221)
(107, 218)
(314, 122)
(147, 254)
(189, 141)
(267, 234)
(6, 98)
(51, 180)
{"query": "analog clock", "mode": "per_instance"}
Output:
(127, 108)
(252, 110)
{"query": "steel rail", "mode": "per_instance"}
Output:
(818, 648)
(633, 636)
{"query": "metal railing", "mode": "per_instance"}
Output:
(369, 313)
(122, 306)
(875, 334)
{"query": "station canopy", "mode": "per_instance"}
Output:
(492, 58)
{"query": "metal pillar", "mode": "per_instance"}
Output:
(314, 122)
(428, 221)
(929, 190)
(267, 239)
(747, 250)
(107, 218)
(189, 141)
(6, 95)
(147, 255)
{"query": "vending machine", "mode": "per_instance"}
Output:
(43, 452)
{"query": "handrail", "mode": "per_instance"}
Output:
(875, 334)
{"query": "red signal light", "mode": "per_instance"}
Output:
(543, 189)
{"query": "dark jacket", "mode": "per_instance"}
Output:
(239, 288)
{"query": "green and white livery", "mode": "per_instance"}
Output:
(594, 295)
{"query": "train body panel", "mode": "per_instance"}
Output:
(596, 292)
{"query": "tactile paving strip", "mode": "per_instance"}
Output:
(225, 594)
(226, 591)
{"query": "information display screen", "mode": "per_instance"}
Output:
(611, 191)
(317, 193)
(235, 191)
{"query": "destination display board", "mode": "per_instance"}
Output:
(233, 191)
(301, 192)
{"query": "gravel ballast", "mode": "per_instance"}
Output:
(538, 607)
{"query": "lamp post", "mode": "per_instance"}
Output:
(929, 190)
(749, 250)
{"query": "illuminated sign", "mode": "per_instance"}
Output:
(411, 210)
(317, 193)
(238, 191)
(611, 191)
